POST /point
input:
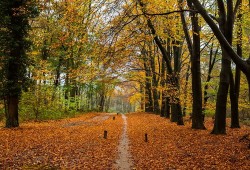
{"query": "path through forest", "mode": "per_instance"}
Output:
(79, 143)
(124, 161)
(90, 122)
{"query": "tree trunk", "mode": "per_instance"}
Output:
(148, 96)
(148, 91)
(167, 105)
(226, 26)
(12, 112)
(58, 72)
(186, 91)
(142, 108)
(174, 111)
(177, 48)
(234, 104)
(235, 91)
(102, 98)
(197, 115)
(221, 102)
(164, 100)
(154, 85)
(212, 60)
(163, 105)
(13, 52)
(190, 49)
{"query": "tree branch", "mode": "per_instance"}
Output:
(171, 12)
(223, 42)
(237, 5)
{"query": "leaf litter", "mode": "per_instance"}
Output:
(51, 145)
(179, 147)
(78, 143)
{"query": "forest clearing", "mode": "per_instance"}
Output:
(78, 143)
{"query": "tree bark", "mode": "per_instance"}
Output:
(163, 86)
(226, 78)
(234, 92)
(197, 115)
(177, 48)
(148, 92)
(186, 91)
(12, 112)
(212, 60)
(234, 104)
(154, 85)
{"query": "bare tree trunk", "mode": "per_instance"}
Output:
(197, 115)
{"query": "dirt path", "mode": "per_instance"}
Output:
(124, 161)
(90, 122)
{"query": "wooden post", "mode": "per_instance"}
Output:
(117, 113)
(113, 117)
(105, 134)
(146, 137)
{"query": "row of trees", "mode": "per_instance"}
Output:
(161, 56)
(168, 50)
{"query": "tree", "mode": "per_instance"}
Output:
(229, 53)
(235, 82)
(173, 73)
(194, 49)
(14, 31)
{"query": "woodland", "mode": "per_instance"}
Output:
(166, 82)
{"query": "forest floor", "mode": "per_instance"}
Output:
(78, 143)
(179, 147)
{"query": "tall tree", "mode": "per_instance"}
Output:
(173, 73)
(235, 83)
(229, 53)
(197, 116)
(14, 30)
(194, 50)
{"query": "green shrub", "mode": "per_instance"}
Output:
(44, 103)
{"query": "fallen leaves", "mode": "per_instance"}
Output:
(179, 147)
(68, 144)
(78, 143)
